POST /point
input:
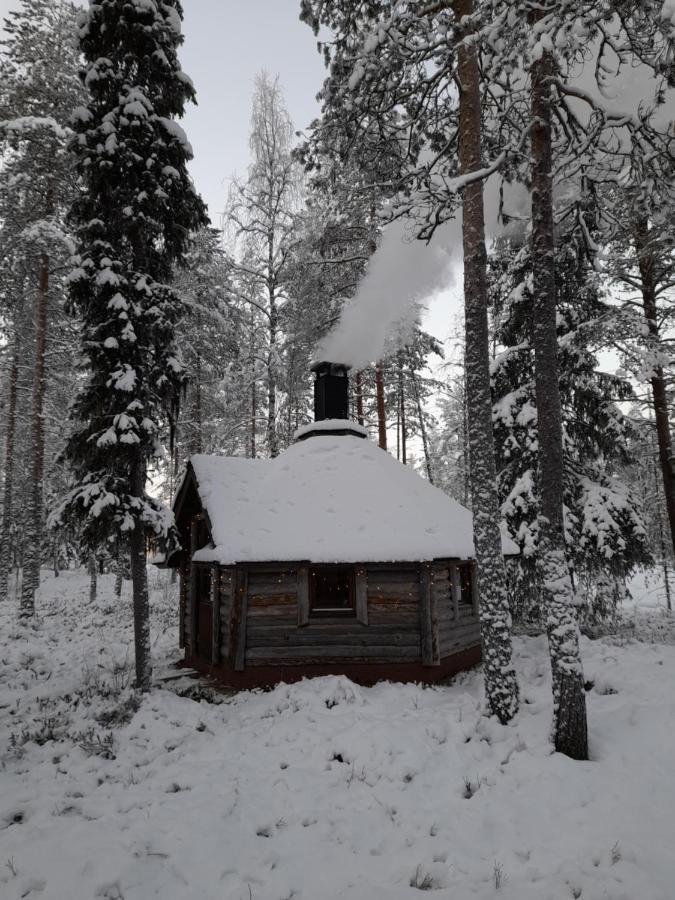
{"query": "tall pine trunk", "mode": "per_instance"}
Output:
(93, 576)
(646, 261)
(423, 427)
(569, 699)
(196, 442)
(501, 686)
(401, 409)
(381, 412)
(33, 533)
(8, 489)
(359, 398)
(139, 581)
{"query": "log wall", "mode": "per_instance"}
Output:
(406, 614)
(277, 633)
(458, 625)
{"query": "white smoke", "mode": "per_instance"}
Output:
(401, 276)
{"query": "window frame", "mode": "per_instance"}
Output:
(332, 612)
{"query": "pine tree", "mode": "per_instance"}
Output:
(133, 226)
(604, 530)
(38, 90)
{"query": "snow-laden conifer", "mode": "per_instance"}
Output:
(133, 225)
(38, 90)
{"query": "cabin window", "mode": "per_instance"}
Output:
(466, 585)
(331, 591)
(203, 577)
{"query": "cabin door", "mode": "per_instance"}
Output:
(204, 610)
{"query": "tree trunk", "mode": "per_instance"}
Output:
(5, 536)
(254, 413)
(91, 566)
(569, 699)
(139, 581)
(662, 539)
(196, 443)
(423, 427)
(119, 573)
(359, 398)
(272, 440)
(501, 686)
(33, 536)
(645, 254)
(381, 414)
(55, 557)
(401, 406)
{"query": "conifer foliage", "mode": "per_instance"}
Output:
(133, 225)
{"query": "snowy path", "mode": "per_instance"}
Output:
(321, 790)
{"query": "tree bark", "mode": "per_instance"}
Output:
(645, 255)
(401, 406)
(381, 413)
(501, 686)
(272, 440)
(33, 535)
(8, 489)
(569, 699)
(196, 443)
(359, 398)
(423, 427)
(91, 566)
(139, 581)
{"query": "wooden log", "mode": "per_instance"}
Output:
(238, 619)
(194, 532)
(456, 590)
(262, 601)
(431, 655)
(303, 637)
(361, 595)
(303, 595)
(215, 622)
(309, 654)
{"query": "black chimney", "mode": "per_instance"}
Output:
(331, 404)
(331, 391)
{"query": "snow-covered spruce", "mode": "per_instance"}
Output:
(38, 66)
(134, 223)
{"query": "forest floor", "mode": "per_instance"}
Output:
(324, 789)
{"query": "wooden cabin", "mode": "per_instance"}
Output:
(332, 558)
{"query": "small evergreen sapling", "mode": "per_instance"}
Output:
(133, 225)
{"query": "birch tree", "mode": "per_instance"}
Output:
(260, 217)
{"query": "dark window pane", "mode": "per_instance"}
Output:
(332, 590)
(466, 584)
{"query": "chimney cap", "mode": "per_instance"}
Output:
(330, 368)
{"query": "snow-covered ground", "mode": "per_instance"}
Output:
(324, 789)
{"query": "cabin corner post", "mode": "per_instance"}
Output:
(192, 595)
(431, 655)
(215, 621)
(182, 604)
(238, 619)
(456, 590)
(303, 595)
(361, 591)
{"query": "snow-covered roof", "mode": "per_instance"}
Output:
(328, 498)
